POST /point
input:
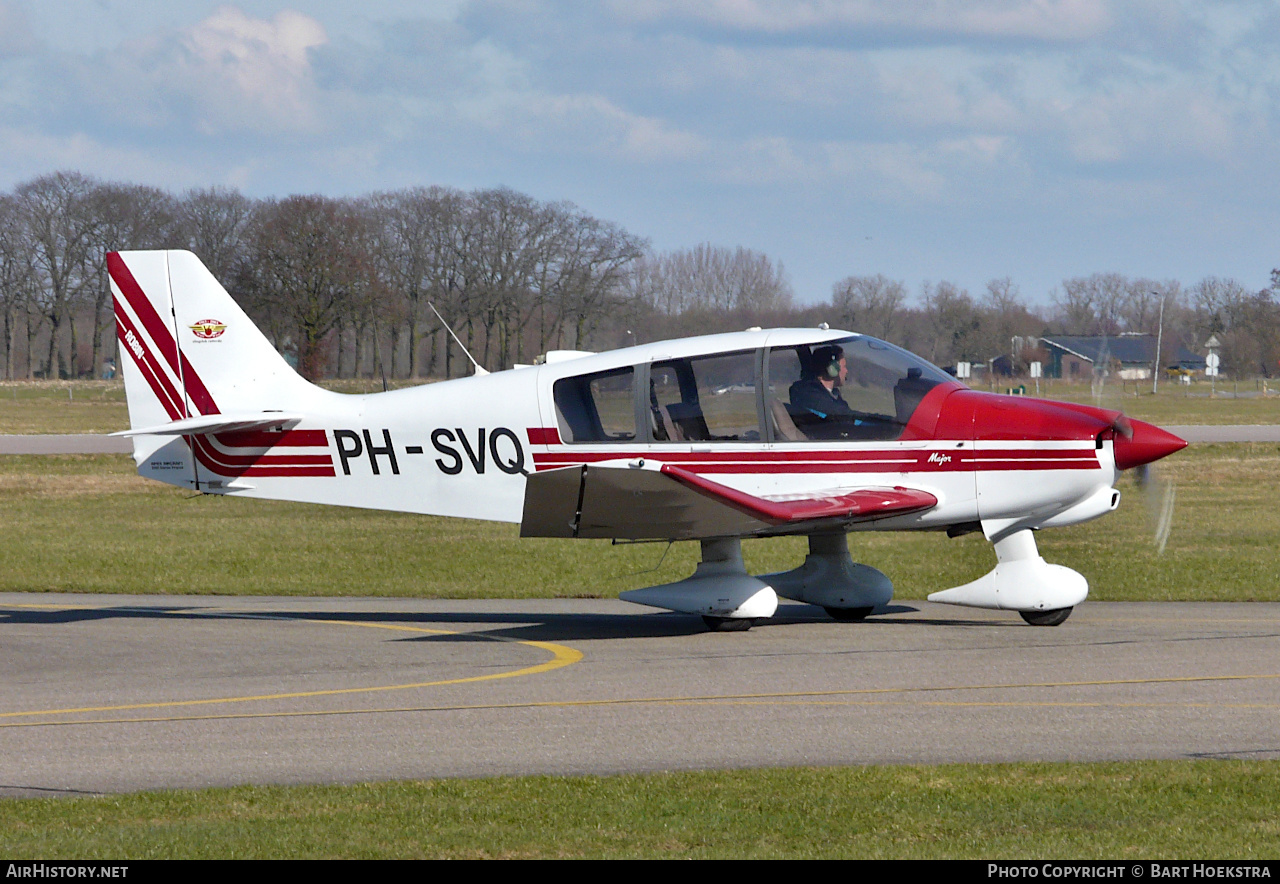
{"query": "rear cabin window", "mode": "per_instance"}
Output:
(597, 407)
(709, 399)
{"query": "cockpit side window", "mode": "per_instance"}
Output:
(856, 388)
(597, 407)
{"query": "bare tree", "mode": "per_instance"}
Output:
(414, 237)
(870, 304)
(954, 322)
(214, 223)
(594, 278)
(506, 226)
(1006, 317)
(16, 278)
(1247, 323)
(711, 278)
(1091, 305)
(309, 266)
(62, 231)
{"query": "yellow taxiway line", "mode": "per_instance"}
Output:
(561, 656)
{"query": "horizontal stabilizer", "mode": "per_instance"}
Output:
(218, 423)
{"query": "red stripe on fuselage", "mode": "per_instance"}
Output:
(262, 439)
(880, 461)
(260, 465)
(905, 456)
(543, 435)
(228, 459)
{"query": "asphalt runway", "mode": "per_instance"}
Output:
(109, 694)
(85, 443)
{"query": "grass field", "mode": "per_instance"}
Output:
(99, 407)
(1144, 810)
(62, 407)
(1175, 404)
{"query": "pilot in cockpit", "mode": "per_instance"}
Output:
(816, 398)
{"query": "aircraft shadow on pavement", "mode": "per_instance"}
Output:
(525, 626)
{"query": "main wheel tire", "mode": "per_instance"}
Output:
(728, 624)
(848, 615)
(1046, 618)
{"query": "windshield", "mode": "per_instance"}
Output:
(855, 388)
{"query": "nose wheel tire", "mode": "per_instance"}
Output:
(848, 615)
(1046, 618)
(728, 624)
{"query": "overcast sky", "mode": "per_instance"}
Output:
(922, 139)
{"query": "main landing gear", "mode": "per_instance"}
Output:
(845, 589)
(728, 598)
(731, 600)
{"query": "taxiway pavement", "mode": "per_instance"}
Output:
(108, 694)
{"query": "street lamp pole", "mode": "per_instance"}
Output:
(1155, 369)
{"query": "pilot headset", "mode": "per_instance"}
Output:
(831, 364)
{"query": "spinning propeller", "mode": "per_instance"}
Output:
(1137, 445)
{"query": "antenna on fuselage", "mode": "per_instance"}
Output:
(479, 369)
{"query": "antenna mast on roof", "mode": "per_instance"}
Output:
(480, 370)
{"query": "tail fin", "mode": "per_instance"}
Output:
(197, 366)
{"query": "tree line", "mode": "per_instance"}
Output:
(363, 286)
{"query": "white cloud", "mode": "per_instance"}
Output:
(946, 91)
(885, 172)
(228, 74)
(648, 139)
(242, 68)
(1169, 121)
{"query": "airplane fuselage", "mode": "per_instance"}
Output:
(465, 447)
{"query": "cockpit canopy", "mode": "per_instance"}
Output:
(848, 389)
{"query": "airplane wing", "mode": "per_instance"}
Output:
(637, 501)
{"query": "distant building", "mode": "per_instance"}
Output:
(1002, 366)
(1129, 355)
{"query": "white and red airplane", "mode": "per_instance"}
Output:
(713, 439)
